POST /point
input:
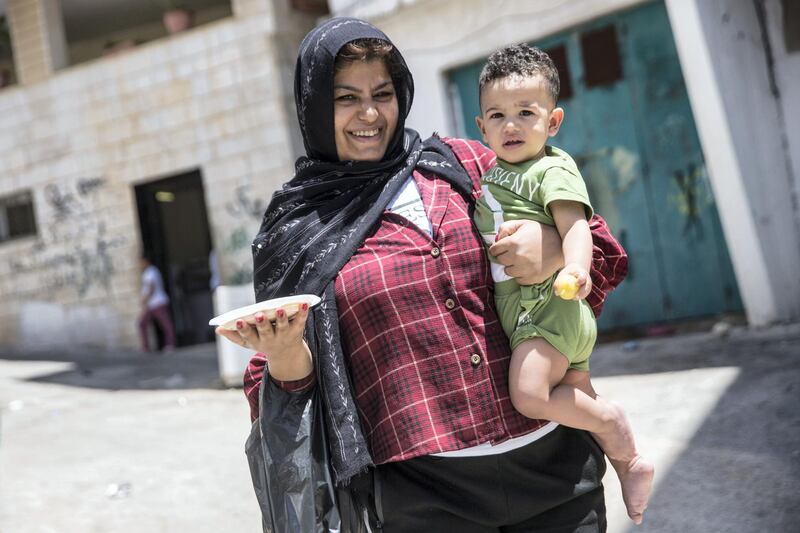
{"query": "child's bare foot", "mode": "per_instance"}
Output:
(635, 473)
(616, 436)
(636, 479)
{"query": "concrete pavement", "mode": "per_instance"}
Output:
(128, 443)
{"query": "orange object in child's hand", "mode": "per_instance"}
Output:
(566, 286)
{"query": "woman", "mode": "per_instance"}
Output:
(404, 358)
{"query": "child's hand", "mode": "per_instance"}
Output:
(573, 283)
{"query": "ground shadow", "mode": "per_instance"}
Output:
(194, 367)
(740, 472)
(694, 350)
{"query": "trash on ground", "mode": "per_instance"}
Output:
(630, 346)
(659, 330)
(721, 329)
(118, 491)
(175, 380)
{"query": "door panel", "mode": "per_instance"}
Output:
(697, 272)
(628, 125)
(604, 143)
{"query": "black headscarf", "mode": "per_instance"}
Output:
(323, 214)
(313, 87)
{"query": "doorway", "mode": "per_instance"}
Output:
(174, 226)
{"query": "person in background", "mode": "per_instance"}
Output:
(155, 306)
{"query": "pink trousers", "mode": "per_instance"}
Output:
(161, 316)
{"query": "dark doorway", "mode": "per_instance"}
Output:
(175, 233)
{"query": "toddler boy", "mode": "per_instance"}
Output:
(551, 328)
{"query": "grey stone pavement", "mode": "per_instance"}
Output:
(125, 442)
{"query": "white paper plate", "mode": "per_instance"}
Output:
(290, 304)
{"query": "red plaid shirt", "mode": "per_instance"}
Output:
(428, 357)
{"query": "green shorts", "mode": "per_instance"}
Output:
(529, 311)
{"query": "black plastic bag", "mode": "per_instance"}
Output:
(287, 452)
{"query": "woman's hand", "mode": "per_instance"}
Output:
(531, 252)
(288, 356)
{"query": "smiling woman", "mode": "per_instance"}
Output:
(365, 101)
(365, 110)
(404, 357)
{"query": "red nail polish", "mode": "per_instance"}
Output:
(304, 307)
(259, 318)
(239, 324)
(280, 313)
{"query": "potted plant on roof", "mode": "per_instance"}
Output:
(177, 17)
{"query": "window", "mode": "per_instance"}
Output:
(108, 28)
(559, 56)
(16, 216)
(7, 72)
(791, 25)
(601, 62)
(312, 7)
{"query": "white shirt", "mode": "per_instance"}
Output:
(408, 203)
(151, 277)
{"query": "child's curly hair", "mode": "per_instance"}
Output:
(521, 60)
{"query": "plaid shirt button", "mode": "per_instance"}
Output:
(436, 252)
(450, 303)
(475, 359)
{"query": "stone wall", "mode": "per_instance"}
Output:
(210, 99)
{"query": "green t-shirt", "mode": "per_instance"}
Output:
(525, 191)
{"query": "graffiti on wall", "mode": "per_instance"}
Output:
(236, 250)
(691, 198)
(79, 266)
(74, 250)
(66, 202)
(71, 209)
(246, 208)
(245, 204)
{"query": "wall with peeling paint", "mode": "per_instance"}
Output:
(732, 75)
(211, 99)
(787, 80)
(629, 126)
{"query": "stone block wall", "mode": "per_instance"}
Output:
(210, 99)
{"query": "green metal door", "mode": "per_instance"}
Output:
(629, 126)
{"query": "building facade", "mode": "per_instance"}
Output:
(736, 63)
(172, 145)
